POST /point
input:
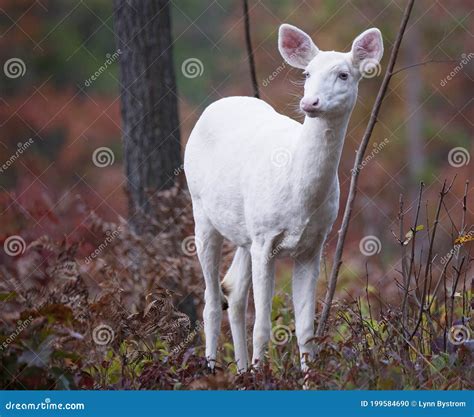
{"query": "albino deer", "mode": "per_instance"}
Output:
(269, 185)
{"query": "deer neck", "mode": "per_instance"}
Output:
(317, 154)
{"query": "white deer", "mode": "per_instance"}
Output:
(269, 185)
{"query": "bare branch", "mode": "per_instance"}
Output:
(248, 43)
(429, 259)
(430, 61)
(355, 172)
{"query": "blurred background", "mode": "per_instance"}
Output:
(61, 108)
(99, 283)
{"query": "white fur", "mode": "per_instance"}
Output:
(269, 185)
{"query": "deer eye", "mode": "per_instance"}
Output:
(306, 74)
(343, 75)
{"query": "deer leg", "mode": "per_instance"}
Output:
(236, 285)
(208, 245)
(263, 279)
(305, 275)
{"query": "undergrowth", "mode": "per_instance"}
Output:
(105, 308)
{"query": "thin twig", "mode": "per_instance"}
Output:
(248, 42)
(406, 277)
(454, 288)
(367, 292)
(463, 231)
(414, 231)
(355, 172)
(440, 280)
(430, 61)
(429, 259)
(412, 257)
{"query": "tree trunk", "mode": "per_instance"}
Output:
(148, 101)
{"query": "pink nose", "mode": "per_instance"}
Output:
(310, 104)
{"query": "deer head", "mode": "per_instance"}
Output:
(332, 78)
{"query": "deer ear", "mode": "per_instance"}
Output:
(295, 46)
(368, 46)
